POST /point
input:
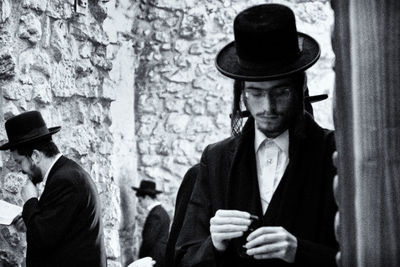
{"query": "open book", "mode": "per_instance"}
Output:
(8, 212)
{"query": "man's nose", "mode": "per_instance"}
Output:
(268, 103)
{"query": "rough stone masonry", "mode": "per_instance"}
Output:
(134, 87)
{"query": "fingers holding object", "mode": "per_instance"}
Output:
(216, 220)
(233, 213)
(267, 249)
(265, 239)
(228, 228)
(226, 236)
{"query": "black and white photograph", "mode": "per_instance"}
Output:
(199, 133)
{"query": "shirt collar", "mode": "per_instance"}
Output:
(51, 166)
(155, 204)
(282, 140)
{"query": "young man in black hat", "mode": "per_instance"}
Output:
(264, 197)
(62, 211)
(156, 227)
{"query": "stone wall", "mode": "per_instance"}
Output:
(134, 86)
(71, 63)
(183, 103)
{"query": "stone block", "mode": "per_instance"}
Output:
(200, 124)
(177, 123)
(108, 91)
(195, 49)
(143, 147)
(63, 81)
(183, 147)
(97, 35)
(99, 58)
(41, 91)
(150, 160)
(35, 60)
(10, 234)
(10, 110)
(5, 10)
(38, 5)
(13, 182)
(111, 239)
(204, 83)
(63, 46)
(98, 9)
(8, 258)
(192, 26)
(149, 103)
(88, 86)
(85, 50)
(111, 209)
(175, 105)
(167, 4)
(79, 138)
(162, 37)
(83, 68)
(159, 173)
(180, 76)
(195, 106)
(181, 45)
(30, 28)
(7, 65)
(101, 62)
(59, 9)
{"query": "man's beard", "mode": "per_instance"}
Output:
(35, 174)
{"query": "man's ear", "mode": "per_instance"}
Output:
(37, 156)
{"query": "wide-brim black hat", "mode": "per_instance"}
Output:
(147, 187)
(26, 128)
(267, 45)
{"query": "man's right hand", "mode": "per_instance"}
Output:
(226, 225)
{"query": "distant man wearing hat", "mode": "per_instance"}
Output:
(264, 196)
(156, 227)
(62, 211)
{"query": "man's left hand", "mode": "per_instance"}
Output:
(29, 191)
(272, 243)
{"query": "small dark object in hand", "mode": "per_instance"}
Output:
(255, 223)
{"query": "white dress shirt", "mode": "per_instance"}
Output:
(272, 158)
(40, 186)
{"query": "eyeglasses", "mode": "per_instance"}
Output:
(277, 94)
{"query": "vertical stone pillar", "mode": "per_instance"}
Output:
(368, 136)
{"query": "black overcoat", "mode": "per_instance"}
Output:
(182, 201)
(303, 202)
(64, 227)
(155, 235)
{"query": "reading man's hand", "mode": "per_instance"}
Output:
(19, 224)
(226, 225)
(272, 243)
(29, 191)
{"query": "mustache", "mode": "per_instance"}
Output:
(264, 114)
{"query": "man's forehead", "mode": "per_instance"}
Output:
(265, 85)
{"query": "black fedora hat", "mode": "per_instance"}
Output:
(27, 127)
(147, 187)
(267, 45)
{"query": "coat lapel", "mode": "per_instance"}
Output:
(242, 192)
(285, 201)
